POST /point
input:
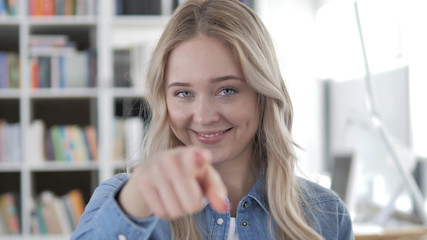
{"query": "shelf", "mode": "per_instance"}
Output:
(119, 164)
(140, 21)
(81, 106)
(127, 92)
(35, 237)
(61, 20)
(9, 20)
(10, 167)
(16, 237)
(63, 166)
(10, 93)
(52, 237)
(63, 93)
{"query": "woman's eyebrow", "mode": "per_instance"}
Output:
(227, 77)
(178, 84)
(215, 80)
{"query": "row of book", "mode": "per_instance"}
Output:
(8, 7)
(9, 214)
(130, 65)
(138, 7)
(10, 142)
(62, 7)
(56, 215)
(9, 70)
(128, 134)
(55, 62)
(64, 143)
(76, 70)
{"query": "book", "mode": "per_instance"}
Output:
(133, 138)
(36, 133)
(57, 141)
(139, 59)
(14, 223)
(59, 7)
(81, 149)
(34, 223)
(55, 72)
(68, 145)
(44, 72)
(48, 149)
(77, 204)
(4, 70)
(15, 140)
(9, 212)
(13, 64)
(35, 80)
(13, 6)
(53, 40)
(92, 143)
(122, 68)
(64, 223)
(3, 156)
(77, 70)
(49, 214)
(3, 230)
(3, 8)
(70, 212)
(43, 229)
(119, 139)
(62, 7)
(69, 7)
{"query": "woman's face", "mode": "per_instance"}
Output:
(209, 102)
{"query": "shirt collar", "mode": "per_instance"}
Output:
(259, 192)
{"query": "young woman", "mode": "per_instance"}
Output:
(218, 160)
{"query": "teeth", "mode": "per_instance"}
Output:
(211, 135)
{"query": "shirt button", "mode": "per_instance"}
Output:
(245, 204)
(122, 237)
(220, 221)
(244, 224)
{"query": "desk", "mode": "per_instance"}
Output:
(409, 233)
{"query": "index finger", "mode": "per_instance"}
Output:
(196, 159)
(198, 165)
(214, 188)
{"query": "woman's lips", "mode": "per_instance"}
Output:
(210, 137)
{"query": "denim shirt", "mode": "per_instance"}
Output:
(104, 218)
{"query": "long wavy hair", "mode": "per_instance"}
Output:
(239, 28)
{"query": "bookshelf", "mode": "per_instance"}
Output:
(108, 97)
(95, 30)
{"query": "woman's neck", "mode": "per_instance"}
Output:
(238, 177)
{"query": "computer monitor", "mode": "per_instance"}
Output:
(349, 128)
(342, 175)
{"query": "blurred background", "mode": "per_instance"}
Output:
(72, 111)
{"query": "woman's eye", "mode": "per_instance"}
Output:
(227, 91)
(183, 94)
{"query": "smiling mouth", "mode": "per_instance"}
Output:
(212, 134)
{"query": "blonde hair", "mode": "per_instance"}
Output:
(239, 28)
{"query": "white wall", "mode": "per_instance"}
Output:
(392, 27)
(292, 26)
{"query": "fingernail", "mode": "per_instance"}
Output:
(205, 202)
(227, 204)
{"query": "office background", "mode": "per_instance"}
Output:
(75, 75)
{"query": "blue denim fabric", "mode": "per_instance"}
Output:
(104, 219)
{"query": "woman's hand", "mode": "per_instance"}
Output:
(173, 185)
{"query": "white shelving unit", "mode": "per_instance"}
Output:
(104, 32)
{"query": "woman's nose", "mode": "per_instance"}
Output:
(206, 111)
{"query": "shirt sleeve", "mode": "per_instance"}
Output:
(345, 223)
(103, 218)
(333, 220)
